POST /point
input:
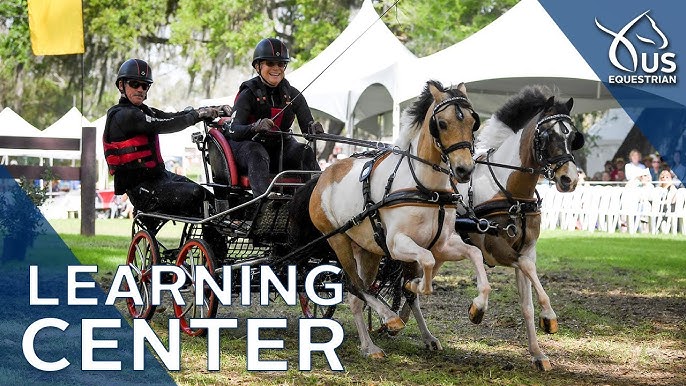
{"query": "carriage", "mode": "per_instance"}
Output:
(247, 232)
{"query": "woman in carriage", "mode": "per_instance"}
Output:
(266, 105)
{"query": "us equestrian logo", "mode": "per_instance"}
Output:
(640, 51)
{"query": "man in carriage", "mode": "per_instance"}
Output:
(132, 151)
(266, 106)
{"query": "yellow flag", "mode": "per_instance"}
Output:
(56, 27)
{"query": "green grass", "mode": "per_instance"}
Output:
(620, 300)
(646, 262)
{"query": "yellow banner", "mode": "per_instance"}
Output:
(56, 27)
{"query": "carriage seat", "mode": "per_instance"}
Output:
(223, 164)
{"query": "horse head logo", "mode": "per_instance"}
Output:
(620, 38)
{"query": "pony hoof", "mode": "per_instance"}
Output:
(434, 346)
(542, 364)
(394, 325)
(475, 314)
(549, 326)
(415, 287)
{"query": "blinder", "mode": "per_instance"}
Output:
(578, 140)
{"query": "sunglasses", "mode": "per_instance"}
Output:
(134, 84)
(275, 64)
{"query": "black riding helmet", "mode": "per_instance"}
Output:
(270, 49)
(136, 69)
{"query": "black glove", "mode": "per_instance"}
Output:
(264, 125)
(225, 110)
(207, 113)
(316, 128)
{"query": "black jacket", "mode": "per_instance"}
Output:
(255, 101)
(126, 120)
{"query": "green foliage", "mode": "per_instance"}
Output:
(430, 26)
(210, 35)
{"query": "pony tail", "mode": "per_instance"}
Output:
(301, 229)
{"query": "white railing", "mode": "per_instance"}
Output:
(612, 208)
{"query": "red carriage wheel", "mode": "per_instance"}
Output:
(311, 309)
(143, 254)
(195, 253)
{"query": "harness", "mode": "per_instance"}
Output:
(520, 208)
(419, 196)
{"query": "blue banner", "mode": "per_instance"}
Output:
(635, 47)
(50, 332)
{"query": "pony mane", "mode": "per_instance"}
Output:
(515, 114)
(413, 117)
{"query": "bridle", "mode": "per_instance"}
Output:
(457, 101)
(550, 165)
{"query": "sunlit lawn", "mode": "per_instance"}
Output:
(585, 273)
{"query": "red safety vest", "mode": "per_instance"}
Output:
(134, 153)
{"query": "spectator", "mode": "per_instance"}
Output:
(609, 166)
(669, 181)
(619, 167)
(655, 167)
(677, 167)
(606, 177)
(634, 167)
(128, 207)
(620, 176)
(642, 180)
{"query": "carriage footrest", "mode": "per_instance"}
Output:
(272, 220)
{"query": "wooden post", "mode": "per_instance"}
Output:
(88, 176)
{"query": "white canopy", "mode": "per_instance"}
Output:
(524, 46)
(13, 125)
(611, 130)
(358, 60)
(377, 74)
(68, 126)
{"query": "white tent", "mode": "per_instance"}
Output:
(68, 126)
(364, 55)
(13, 125)
(524, 46)
(611, 130)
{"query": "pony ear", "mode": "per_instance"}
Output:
(570, 103)
(435, 91)
(549, 103)
(462, 88)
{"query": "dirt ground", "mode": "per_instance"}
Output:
(607, 335)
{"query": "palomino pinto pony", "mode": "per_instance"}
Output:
(402, 203)
(531, 134)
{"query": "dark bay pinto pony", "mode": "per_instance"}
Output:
(400, 203)
(531, 135)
